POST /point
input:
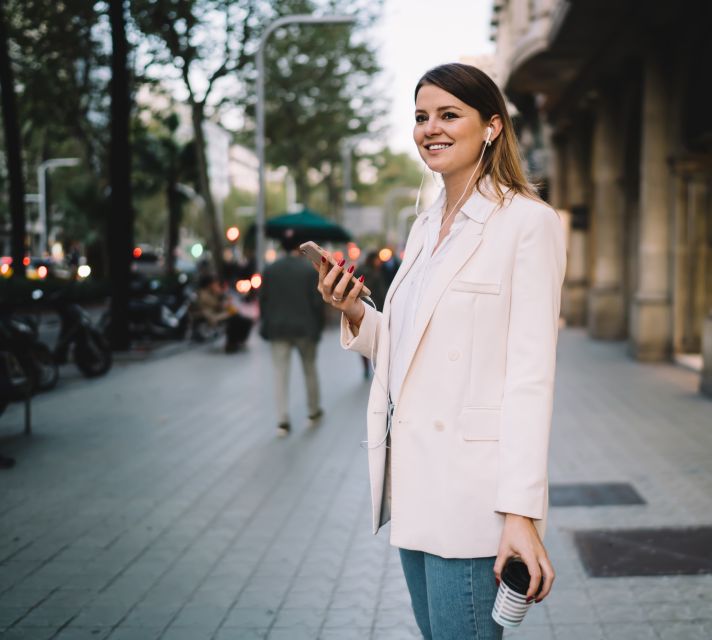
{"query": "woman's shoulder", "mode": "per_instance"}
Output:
(527, 212)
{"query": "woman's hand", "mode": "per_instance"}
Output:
(333, 281)
(520, 538)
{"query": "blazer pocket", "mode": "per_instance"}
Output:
(479, 423)
(476, 287)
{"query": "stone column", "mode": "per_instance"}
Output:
(606, 296)
(573, 168)
(706, 378)
(650, 319)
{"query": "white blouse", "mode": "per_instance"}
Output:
(406, 298)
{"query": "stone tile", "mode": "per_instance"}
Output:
(681, 630)
(533, 632)
(630, 631)
(31, 633)
(192, 633)
(134, 633)
(293, 618)
(253, 618)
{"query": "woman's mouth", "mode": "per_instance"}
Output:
(437, 147)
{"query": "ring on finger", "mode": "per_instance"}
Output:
(335, 299)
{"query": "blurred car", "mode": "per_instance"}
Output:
(147, 261)
(36, 268)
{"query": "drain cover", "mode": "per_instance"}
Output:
(645, 552)
(593, 495)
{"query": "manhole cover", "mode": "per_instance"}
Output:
(593, 495)
(645, 552)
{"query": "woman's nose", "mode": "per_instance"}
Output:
(432, 127)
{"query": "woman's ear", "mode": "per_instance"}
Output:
(496, 124)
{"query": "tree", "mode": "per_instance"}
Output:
(14, 150)
(60, 56)
(320, 89)
(121, 212)
(206, 41)
(162, 165)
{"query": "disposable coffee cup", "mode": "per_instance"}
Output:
(511, 604)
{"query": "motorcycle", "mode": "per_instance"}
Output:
(20, 337)
(92, 351)
(154, 314)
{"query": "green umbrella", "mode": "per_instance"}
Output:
(306, 225)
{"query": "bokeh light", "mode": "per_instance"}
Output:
(243, 286)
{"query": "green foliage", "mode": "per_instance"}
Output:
(320, 90)
(60, 59)
(393, 170)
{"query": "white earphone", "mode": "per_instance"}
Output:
(488, 139)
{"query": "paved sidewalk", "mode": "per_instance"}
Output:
(157, 503)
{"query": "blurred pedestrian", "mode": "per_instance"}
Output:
(292, 315)
(372, 272)
(460, 406)
(215, 308)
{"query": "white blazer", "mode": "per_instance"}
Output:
(470, 434)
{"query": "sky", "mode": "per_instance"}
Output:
(415, 35)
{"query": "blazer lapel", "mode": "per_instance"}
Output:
(412, 252)
(463, 247)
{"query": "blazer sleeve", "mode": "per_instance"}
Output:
(527, 401)
(366, 342)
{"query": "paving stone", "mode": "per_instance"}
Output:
(31, 633)
(255, 618)
(345, 633)
(535, 632)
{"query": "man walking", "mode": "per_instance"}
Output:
(292, 316)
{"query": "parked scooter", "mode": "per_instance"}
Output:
(20, 337)
(153, 314)
(92, 351)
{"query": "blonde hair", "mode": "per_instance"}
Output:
(501, 161)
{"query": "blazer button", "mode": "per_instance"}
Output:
(439, 425)
(453, 355)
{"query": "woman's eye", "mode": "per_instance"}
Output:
(449, 115)
(420, 118)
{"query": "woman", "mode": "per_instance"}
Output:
(460, 406)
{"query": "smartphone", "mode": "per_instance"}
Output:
(314, 252)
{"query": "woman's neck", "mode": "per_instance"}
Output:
(457, 189)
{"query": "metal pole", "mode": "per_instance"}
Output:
(260, 119)
(42, 203)
(42, 170)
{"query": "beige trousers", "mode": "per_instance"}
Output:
(281, 357)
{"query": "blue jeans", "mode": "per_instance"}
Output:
(452, 598)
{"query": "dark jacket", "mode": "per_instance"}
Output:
(290, 305)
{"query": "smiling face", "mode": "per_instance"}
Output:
(448, 132)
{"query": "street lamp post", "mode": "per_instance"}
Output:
(42, 171)
(347, 147)
(260, 109)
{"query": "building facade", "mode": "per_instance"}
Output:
(614, 97)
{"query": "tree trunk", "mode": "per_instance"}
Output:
(204, 185)
(121, 213)
(301, 184)
(13, 149)
(175, 213)
(333, 194)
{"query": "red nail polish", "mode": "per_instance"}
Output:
(323, 259)
(497, 581)
(529, 599)
(351, 268)
(361, 279)
(342, 263)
